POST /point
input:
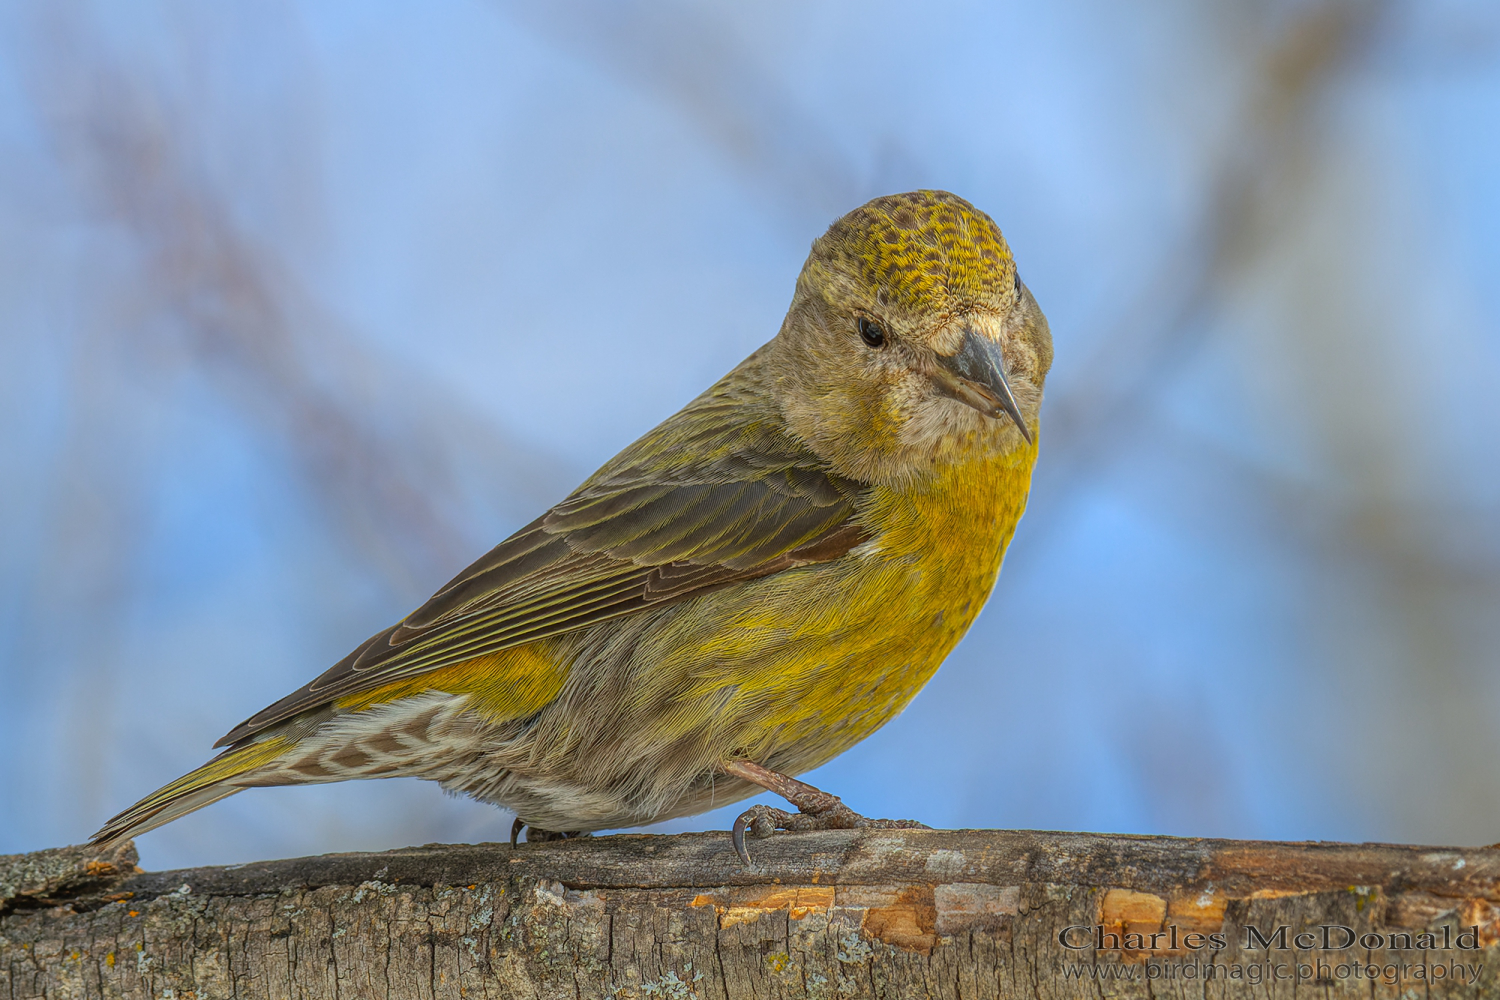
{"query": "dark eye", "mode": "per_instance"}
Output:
(872, 332)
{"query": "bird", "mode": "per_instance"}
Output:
(748, 590)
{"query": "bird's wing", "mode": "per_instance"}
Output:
(716, 495)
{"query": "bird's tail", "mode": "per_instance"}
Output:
(194, 790)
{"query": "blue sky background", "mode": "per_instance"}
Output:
(302, 306)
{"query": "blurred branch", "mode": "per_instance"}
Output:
(381, 450)
(1254, 181)
(687, 56)
(1464, 539)
(1457, 41)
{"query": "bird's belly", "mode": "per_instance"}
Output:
(788, 671)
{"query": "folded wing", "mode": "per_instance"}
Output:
(717, 495)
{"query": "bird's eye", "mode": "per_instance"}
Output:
(871, 332)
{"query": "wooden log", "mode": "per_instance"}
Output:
(962, 914)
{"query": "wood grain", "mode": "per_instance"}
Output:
(960, 914)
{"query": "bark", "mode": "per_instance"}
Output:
(893, 913)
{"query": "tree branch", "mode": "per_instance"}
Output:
(898, 913)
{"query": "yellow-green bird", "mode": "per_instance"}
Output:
(747, 591)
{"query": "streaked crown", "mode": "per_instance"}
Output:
(924, 251)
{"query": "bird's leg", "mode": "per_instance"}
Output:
(816, 809)
(536, 835)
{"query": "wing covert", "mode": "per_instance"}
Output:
(716, 495)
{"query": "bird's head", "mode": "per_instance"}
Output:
(910, 341)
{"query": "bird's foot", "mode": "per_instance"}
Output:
(816, 809)
(536, 835)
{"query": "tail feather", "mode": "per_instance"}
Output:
(194, 790)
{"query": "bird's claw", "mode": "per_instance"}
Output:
(536, 835)
(760, 821)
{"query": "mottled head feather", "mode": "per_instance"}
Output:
(923, 251)
(928, 272)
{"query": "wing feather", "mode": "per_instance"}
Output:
(718, 494)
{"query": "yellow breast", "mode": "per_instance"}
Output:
(798, 667)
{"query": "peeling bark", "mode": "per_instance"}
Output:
(889, 913)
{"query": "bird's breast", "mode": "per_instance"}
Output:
(937, 548)
(806, 663)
